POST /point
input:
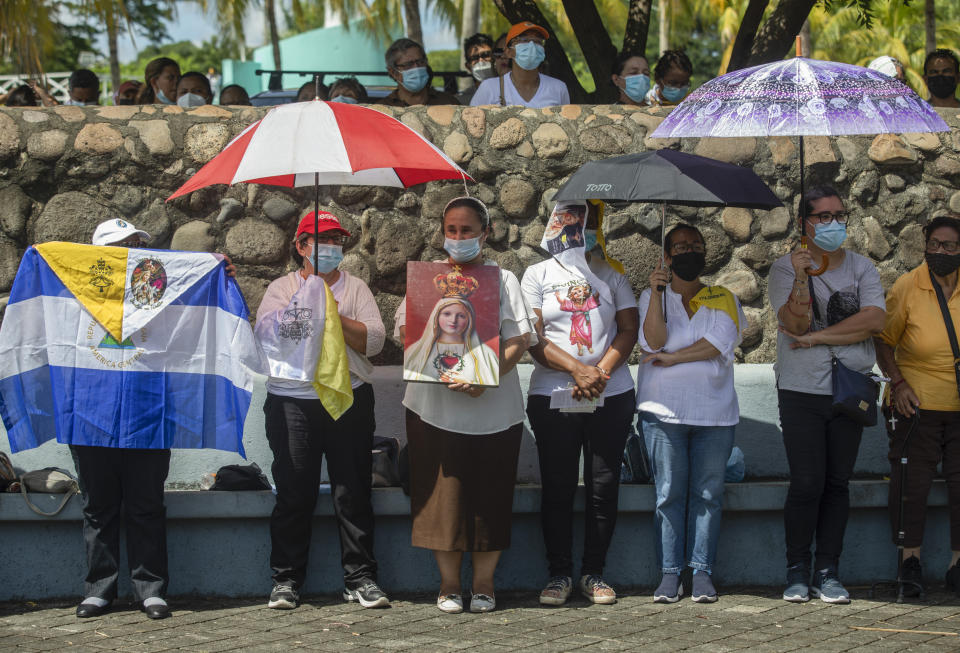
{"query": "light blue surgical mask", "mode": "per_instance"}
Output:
(829, 237)
(462, 251)
(674, 93)
(636, 86)
(162, 97)
(346, 99)
(529, 55)
(589, 239)
(78, 103)
(415, 79)
(190, 100)
(328, 257)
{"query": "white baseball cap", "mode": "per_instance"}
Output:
(113, 231)
(886, 65)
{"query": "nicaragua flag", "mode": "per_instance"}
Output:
(127, 348)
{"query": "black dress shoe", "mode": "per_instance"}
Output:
(87, 610)
(157, 611)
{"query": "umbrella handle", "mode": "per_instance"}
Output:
(824, 262)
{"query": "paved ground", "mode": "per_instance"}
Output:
(745, 619)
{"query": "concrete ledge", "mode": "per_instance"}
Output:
(205, 504)
(219, 542)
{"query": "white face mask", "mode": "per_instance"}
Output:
(189, 100)
(482, 70)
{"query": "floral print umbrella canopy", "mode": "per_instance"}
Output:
(801, 97)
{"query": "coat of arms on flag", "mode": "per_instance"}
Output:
(129, 348)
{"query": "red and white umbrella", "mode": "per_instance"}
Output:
(326, 143)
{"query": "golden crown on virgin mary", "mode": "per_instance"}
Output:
(455, 284)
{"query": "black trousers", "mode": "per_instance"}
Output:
(821, 452)
(300, 432)
(128, 482)
(561, 437)
(935, 439)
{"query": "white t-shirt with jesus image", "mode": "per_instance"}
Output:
(577, 319)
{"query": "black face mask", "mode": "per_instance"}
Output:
(689, 265)
(942, 264)
(124, 101)
(942, 86)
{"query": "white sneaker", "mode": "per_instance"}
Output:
(482, 603)
(450, 603)
(557, 591)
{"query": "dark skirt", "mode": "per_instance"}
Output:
(461, 487)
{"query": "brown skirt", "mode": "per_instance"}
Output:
(461, 487)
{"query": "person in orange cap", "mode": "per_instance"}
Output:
(524, 84)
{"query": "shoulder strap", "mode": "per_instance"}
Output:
(813, 299)
(503, 100)
(63, 502)
(951, 332)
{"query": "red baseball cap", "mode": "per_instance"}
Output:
(526, 26)
(326, 221)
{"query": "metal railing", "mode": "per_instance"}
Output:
(55, 83)
(276, 84)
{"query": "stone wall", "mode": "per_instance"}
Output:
(64, 170)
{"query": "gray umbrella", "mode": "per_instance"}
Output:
(668, 176)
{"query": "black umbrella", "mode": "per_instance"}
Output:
(668, 176)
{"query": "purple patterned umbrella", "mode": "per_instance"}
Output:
(801, 97)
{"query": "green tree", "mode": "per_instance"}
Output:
(27, 33)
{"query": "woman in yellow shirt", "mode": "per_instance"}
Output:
(914, 351)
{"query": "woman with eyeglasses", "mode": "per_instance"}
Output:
(524, 84)
(835, 314)
(688, 408)
(301, 431)
(922, 401)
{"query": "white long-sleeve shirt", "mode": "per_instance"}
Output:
(354, 301)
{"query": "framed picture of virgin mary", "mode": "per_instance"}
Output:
(453, 324)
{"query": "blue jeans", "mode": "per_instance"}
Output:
(688, 465)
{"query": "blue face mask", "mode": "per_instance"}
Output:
(636, 86)
(829, 237)
(529, 55)
(328, 257)
(589, 239)
(415, 79)
(343, 98)
(162, 97)
(462, 251)
(674, 93)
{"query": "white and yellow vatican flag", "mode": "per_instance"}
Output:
(304, 342)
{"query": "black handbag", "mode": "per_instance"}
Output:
(635, 467)
(241, 477)
(855, 394)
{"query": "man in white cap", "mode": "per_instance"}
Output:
(127, 482)
(888, 66)
(119, 233)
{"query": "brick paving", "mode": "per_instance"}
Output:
(753, 619)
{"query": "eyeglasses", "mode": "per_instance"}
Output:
(949, 246)
(325, 239)
(486, 54)
(498, 53)
(683, 248)
(826, 217)
(526, 39)
(407, 65)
